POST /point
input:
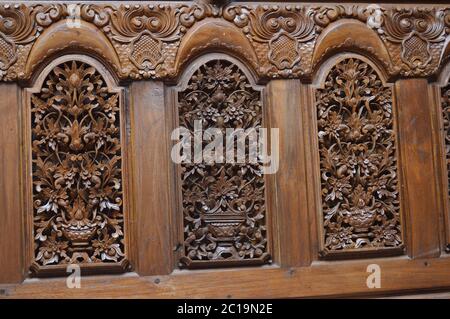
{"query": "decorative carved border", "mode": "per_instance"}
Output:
(283, 38)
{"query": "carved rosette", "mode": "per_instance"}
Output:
(360, 198)
(76, 168)
(223, 203)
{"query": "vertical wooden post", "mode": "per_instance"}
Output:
(284, 100)
(419, 168)
(11, 219)
(151, 168)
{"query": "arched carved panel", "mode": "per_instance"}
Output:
(224, 206)
(77, 191)
(358, 162)
(444, 139)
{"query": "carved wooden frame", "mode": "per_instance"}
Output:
(88, 268)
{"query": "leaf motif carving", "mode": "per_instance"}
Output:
(223, 204)
(360, 198)
(77, 178)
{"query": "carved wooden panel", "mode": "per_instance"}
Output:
(223, 203)
(358, 166)
(77, 185)
(357, 149)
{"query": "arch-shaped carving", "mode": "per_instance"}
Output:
(76, 192)
(340, 36)
(326, 65)
(358, 161)
(223, 201)
(214, 35)
(63, 37)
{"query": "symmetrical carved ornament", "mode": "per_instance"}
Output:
(146, 36)
(76, 169)
(276, 32)
(419, 35)
(360, 198)
(223, 204)
(20, 25)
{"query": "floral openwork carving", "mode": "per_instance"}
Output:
(76, 168)
(223, 204)
(445, 98)
(360, 198)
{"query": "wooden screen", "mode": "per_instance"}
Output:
(358, 162)
(352, 98)
(224, 204)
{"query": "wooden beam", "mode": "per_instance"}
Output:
(325, 279)
(11, 219)
(151, 168)
(293, 241)
(418, 167)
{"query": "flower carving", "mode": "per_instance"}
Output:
(76, 168)
(223, 204)
(360, 199)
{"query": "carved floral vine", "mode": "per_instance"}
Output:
(360, 199)
(223, 204)
(77, 181)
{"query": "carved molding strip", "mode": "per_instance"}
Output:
(360, 198)
(77, 169)
(146, 37)
(223, 204)
(445, 113)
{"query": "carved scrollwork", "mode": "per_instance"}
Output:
(223, 204)
(77, 162)
(19, 26)
(323, 16)
(146, 37)
(280, 28)
(360, 199)
(416, 30)
(16, 26)
(146, 28)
